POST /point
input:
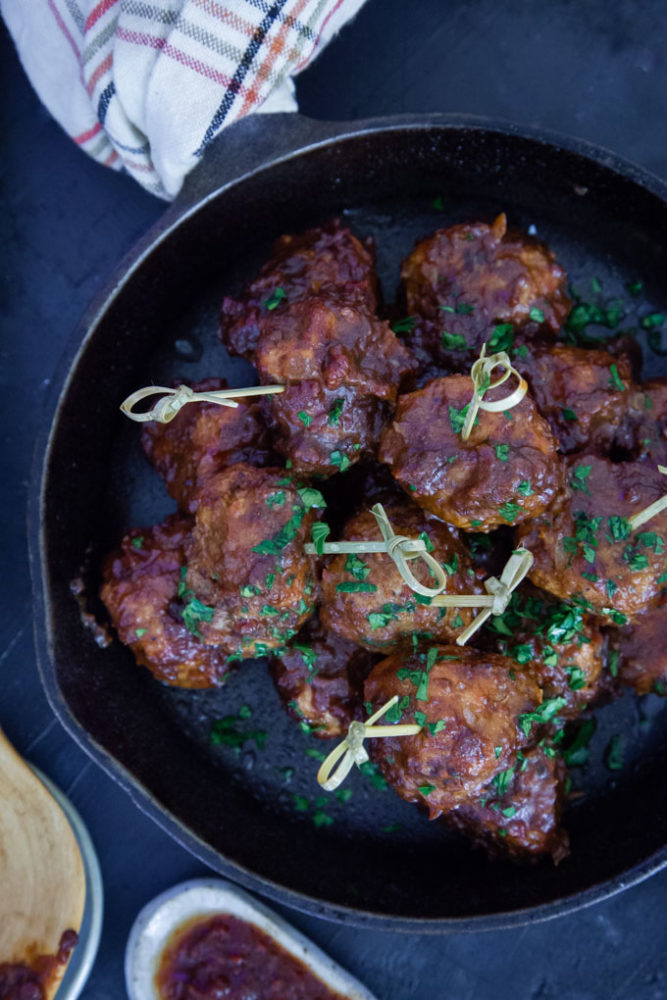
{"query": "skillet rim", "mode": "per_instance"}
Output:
(254, 148)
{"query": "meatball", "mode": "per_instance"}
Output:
(560, 645)
(507, 471)
(366, 600)
(316, 262)
(342, 369)
(520, 815)
(471, 705)
(647, 417)
(319, 678)
(246, 562)
(463, 280)
(204, 438)
(142, 593)
(586, 550)
(643, 651)
(582, 393)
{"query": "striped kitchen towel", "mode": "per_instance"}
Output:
(145, 85)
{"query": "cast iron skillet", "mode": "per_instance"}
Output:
(380, 862)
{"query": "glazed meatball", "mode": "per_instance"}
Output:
(505, 473)
(320, 678)
(462, 281)
(520, 815)
(203, 439)
(342, 369)
(471, 704)
(319, 261)
(246, 562)
(142, 593)
(366, 600)
(586, 549)
(647, 417)
(582, 393)
(643, 651)
(560, 645)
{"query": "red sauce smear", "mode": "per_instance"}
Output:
(224, 958)
(29, 980)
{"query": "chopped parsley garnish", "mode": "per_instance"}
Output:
(356, 567)
(319, 533)
(614, 754)
(277, 296)
(355, 587)
(451, 567)
(509, 511)
(276, 499)
(340, 459)
(311, 497)
(453, 341)
(438, 204)
(576, 678)
(568, 414)
(436, 727)
(308, 653)
(503, 780)
(502, 452)
(140, 631)
(545, 712)
(335, 412)
(225, 731)
(380, 619)
(524, 488)
(370, 771)
(137, 542)
(536, 315)
(395, 713)
(635, 288)
(502, 337)
(615, 380)
(619, 527)
(426, 789)
(652, 321)
(305, 418)
(457, 418)
(404, 325)
(195, 612)
(579, 476)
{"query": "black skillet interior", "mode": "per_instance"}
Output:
(257, 815)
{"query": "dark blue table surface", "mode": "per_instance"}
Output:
(592, 69)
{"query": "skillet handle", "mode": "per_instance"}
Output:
(249, 144)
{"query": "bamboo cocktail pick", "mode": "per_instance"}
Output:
(400, 548)
(173, 400)
(352, 751)
(480, 373)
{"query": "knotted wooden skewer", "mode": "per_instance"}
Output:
(645, 515)
(499, 592)
(480, 373)
(173, 400)
(352, 750)
(400, 548)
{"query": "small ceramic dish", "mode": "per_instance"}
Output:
(204, 898)
(84, 954)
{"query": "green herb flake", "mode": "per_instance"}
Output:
(319, 533)
(305, 418)
(356, 567)
(509, 811)
(335, 412)
(502, 452)
(438, 204)
(524, 488)
(427, 541)
(497, 752)
(226, 732)
(536, 315)
(140, 631)
(277, 296)
(545, 712)
(635, 288)
(614, 754)
(420, 718)
(370, 771)
(502, 338)
(653, 320)
(137, 542)
(453, 341)
(579, 476)
(276, 499)
(451, 567)
(568, 414)
(195, 612)
(311, 498)
(503, 780)
(619, 527)
(457, 418)
(426, 789)
(509, 511)
(436, 727)
(355, 587)
(339, 459)
(612, 662)
(615, 380)
(405, 325)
